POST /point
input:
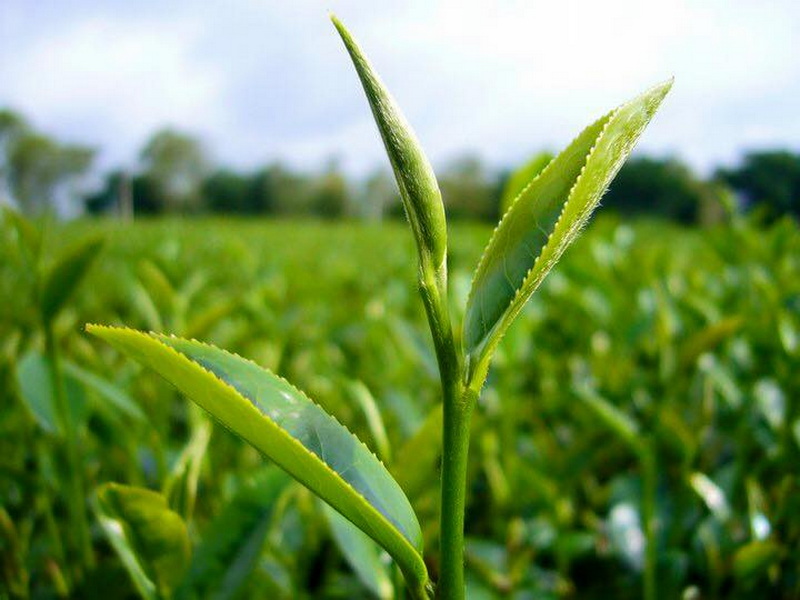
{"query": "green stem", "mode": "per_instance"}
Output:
(458, 403)
(75, 494)
(45, 506)
(433, 288)
(457, 416)
(648, 510)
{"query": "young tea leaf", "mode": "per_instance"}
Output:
(33, 374)
(364, 399)
(180, 487)
(291, 430)
(30, 237)
(543, 220)
(114, 401)
(65, 276)
(612, 417)
(151, 540)
(753, 560)
(232, 543)
(12, 556)
(420, 455)
(362, 554)
(35, 384)
(419, 190)
(520, 179)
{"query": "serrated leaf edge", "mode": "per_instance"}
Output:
(374, 512)
(488, 347)
(529, 285)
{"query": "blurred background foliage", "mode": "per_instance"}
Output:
(692, 335)
(177, 175)
(653, 379)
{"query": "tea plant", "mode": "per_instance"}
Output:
(44, 378)
(314, 448)
(693, 334)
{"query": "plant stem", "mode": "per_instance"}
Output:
(648, 510)
(75, 494)
(457, 416)
(458, 403)
(433, 288)
(45, 505)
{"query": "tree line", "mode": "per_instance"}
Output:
(176, 175)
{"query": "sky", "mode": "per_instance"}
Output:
(260, 81)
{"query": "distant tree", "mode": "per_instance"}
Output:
(261, 191)
(226, 191)
(33, 162)
(75, 162)
(116, 194)
(103, 199)
(175, 165)
(378, 196)
(650, 186)
(36, 170)
(467, 190)
(330, 195)
(42, 172)
(768, 180)
(12, 125)
(719, 204)
(147, 196)
(294, 193)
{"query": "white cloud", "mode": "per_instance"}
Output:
(529, 74)
(112, 82)
(262, 80)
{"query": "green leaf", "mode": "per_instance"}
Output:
(616, 420)
(156, 294)
(180, 488)
(141, 300)
(202, 323)
(29, 236)
(752, 560)
(362, 554)
(361, 395)
(708, 339)
(36, 390)
(13, 553)
(520, 179)
(419, 190)
(488, 561)
(150, 539)
(65, 276)
(419, 456)
(292, 431)
(712, 495)
(545, 218)
(35, 383)
(117, 401)
(233, 541)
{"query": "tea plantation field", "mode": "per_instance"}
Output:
(656, 370)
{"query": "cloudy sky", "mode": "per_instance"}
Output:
(269, 79)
